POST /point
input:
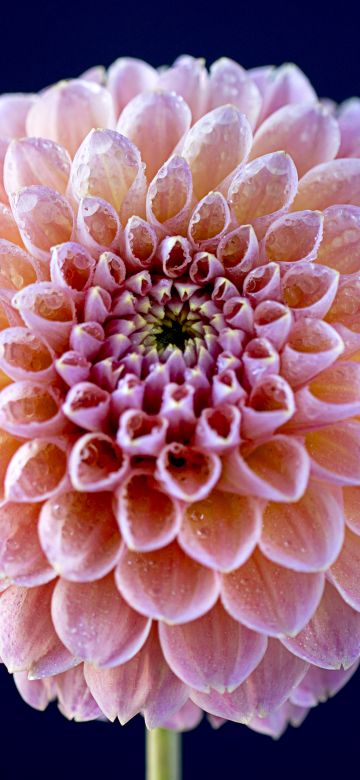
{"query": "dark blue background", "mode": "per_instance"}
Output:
(39, 44)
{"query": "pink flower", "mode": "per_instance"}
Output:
(180, 402)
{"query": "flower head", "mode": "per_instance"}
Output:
(180, 402)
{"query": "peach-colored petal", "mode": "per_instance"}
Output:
(312, 346)
(79, 535)
(21, 557)
(166, 584)
(148, 518)
(340, 245)
(188, 473)
(333, 395)
(127, 77)
(169, 197)
(188, 78)
(96, 463)
(8, 227)
(37, 470)
(309, 290)
(28, 409)
(337, 181)
(343, 572)
(27, 636)
(282, 86)
(161, 114)
(17, 268)
(230, 83)
(36, 161)
(306, 536)
(351, 497)
(269, 598)
(213, 652)
(331, 639)
(334, 452)
(97, 225)
(215, 146)
(306, 131)
(222, 530)
(25, 356)
(264, 690)
(48, 310)
(294, 237)
(96, 624)
(209, 222)
(272, 321)
(44, 218)
(66, 112)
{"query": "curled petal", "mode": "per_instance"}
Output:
(262, 693)
(306, 536)
(312, 346)
(272, 321)
(340, 245)
(139, 244)
(174, 256)
(72, 267)
(166, 584)
(164, 113)
(98, 225)
(309, 290)
(143, 684)
(110, 272)
(29, 409)
(329, 183)
(21, 557)
(283, 86)
(49, 311)
(66, 112)
(185, 719)
(44, 218)
(127, 77)
(351, 508)
(331, 639)
(169, 197)
(212, 652)
(37, 470)
(277, 470)
(263, 283)
(306, 131)
(230, 83)
(79, 535)
(188, 78)
(215, 146)
(23, 355)
(74, 697)
(107, 165)
(97, 304)
(36, 693)
(73, 367)
(209, 222)
(260, 359)
(269, 598)
(294, 237)
(333, 395)
(87, 405)
(218, 429)
(263, 190)
(86, 338)
(148, 518)
(8, 227)
(95, 623)
(17, 268)
(36, 161)
(140, 433)
(222, 530)
(271, 404)
(334, 453)
(238, 253)
(27, 636)
(188, 473)
(96, 463)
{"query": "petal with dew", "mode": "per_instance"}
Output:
(343, 573)
(127, 77)
(44, 218)
(75, 699)
(230, 83)
(335, 453)
(148, 518)
(340, 245)
(318, 685)
(21, 556)
(36, 161)
(329, 183)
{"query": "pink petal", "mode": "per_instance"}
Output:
(25, 356)
(21, 557)
(312, 346)
(96, 624)
(340, 245)
(8, 446)
(13, 112)
(213, 652)
(166, 584)
(329, 183)
(36, 161)
(28, 409)
(266, 689)
(277, 470)
(66, 112)
(332, 396)
(72, 267)
(352, 508)
(271, 404)
(334, 453)
(209, 222)
(185, 719)
(306, 536)
(230, 83)
(141, 434)
(218, 429)
(285, 85)
(48, 310)
(332, 637)
(8, 227)
(343, 573)
(107, 165)
(87, 338)
(96, 463)
(148, 518)
(318, 685)
(263, 190)
(36, 693)
(110, 271)
(79, 535)
(269, 598)
(17, 268)
(272, 321)
(75, 699)
(188, 473)
(238, 252)
(349, 123)
(98, 225)
(37, 470)
(188, 78)
(87, 405)
(222, 530)
(215, 146)
(309, 290)
(294, 237)
(165, 111)
(169, 197)
(143, 684)
(27, 636)
(306, 131)
(127, 77)
(44, 218)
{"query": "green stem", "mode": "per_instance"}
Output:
(163, 755)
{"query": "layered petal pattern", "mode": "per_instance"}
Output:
(180, 394)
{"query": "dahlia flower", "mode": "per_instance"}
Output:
(180, 394)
